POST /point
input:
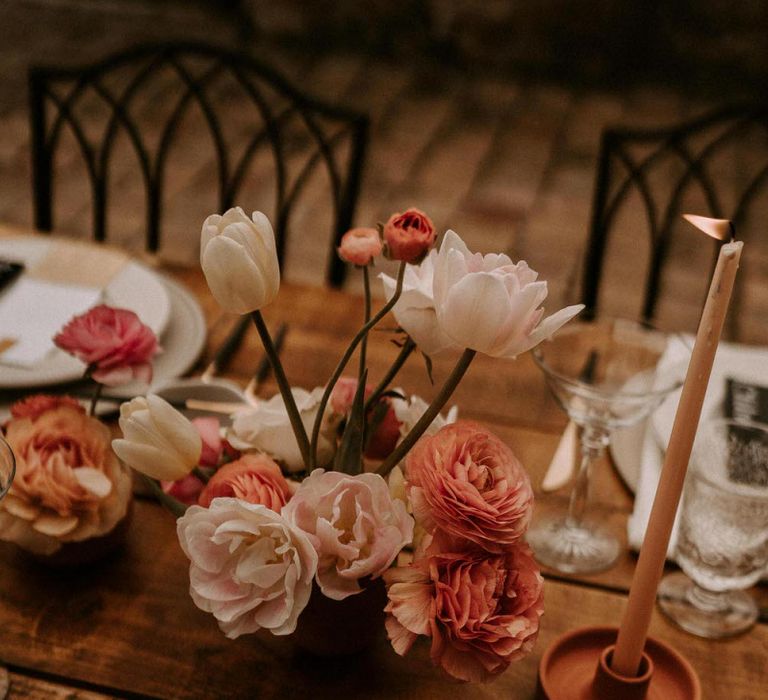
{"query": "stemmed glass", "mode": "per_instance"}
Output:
(722, 545)
(622, 358)
(7, 467)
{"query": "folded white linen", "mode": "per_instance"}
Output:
(747, 363)
(32, 311)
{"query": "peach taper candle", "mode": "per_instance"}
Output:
(642, 595)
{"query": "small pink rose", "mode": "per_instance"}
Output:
(114, 343)
(209, 429)
(344, 393)
(187, 489)
(360, 246)
(409, 236)
(466, 482)
(480, 610)
(254, 478)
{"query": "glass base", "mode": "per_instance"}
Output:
(710, 615)
(573, 549)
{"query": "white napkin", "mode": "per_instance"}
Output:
(732, 360)
(32, 311)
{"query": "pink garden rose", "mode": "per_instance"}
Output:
(248, 566)
(360, 246)
(254, 478)
(69, 485)
(466, 482)
(354, 525)
(481, 610)
(114, 343)
(409, 236)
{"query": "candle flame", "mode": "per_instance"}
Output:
(720, 229)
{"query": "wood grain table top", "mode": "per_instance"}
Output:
(127, 626)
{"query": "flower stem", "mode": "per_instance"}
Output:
(282, 382)
(430, 414)
(200, 474)
(386, 380)
(345, 359)
(172, 504)
(95, 398)
(364, 341)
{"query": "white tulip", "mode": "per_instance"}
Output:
(415, 310)
(239, 260)
(157, 440)
(267, 428)
(490, 304)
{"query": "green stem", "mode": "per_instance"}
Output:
(430, 414)
(282, 382)
(95, 398)
(386, 380)
(200, 474)
(345, 359)
(364, 341)
(172, 504)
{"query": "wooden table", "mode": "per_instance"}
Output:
(127, 627)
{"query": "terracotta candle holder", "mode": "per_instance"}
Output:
(576, 666)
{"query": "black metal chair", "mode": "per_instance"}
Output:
(715, 166)
(288, 138)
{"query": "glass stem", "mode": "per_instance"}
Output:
(709, 601)
(593, 442)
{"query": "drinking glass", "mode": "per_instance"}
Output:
(722, 545)
(603, 373)
(7, 467)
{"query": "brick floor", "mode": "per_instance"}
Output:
(509, 165)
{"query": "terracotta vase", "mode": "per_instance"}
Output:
(329, 627)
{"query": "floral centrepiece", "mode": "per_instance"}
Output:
(329, 488)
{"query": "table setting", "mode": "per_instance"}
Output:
(301, 502)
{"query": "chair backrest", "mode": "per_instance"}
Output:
(643, 257)
(187, 115)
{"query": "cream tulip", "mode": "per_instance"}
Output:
(490, 304)
(157, 440)
(239, 259)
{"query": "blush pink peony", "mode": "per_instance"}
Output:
(466, 482)
(254, 478)
(115, 345)
(481, 610)
(360, 246)
(353, 523)
(69, 485)
(409, 236)
(248, 566)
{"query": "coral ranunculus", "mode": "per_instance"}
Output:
(360, 246)
(254, 478)
(69, 485)
(114, 343)
(481, 610)
(465, 481)
(409, 236)
(248, 566)
(354, 524)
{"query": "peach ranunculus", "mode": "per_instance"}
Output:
(354, 524)
(34, 406)
(360, 246)
(115, 345)
(248, 567)
(254, 478)
(480, 609)
(466, 482)
(69, 485)
(409, 236)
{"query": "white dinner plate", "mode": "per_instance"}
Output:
(134, 286)
(182, 342)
